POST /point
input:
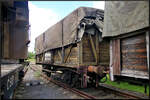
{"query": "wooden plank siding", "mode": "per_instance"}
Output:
(39, 58)
(129, 56)
(104, 54)
(89, 51)
(88, 54)
(134, 53)
(71, 55)
(147, 47)
(57, 56)
(116, 56)
(6, 40)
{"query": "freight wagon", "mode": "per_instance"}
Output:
(75, 47)
(127, 25)
(14, 25)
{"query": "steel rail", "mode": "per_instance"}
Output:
(121, 93)
(82, 94)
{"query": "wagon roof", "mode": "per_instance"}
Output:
(65, 31)
(122, 17)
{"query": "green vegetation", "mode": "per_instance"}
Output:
(31, 56)
(37, 74)
(126, 85)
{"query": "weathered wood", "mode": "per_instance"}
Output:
(67, 55)
(116, 57)
(71, 61)
(97, 47)
(134, 73)
(88, 55)
(104, 52)
(39, 58)
(88, 64)
(93, 48)
(134, 53)
(6, 40)
(147, 47)
(81, 52)
(71, 54)
(59, 54)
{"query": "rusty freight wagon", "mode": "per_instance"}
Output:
(75, 46)
(14, 24)
(127, 25)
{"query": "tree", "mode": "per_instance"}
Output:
(31, 55)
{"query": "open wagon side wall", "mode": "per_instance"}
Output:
(70, 56)
(93, 51)
(88, 52)
(55, 56)
(39, 58)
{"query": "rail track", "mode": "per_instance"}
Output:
(101, 92)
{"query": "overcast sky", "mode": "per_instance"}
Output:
(44, 14)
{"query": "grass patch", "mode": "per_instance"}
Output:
(126, 85)
(37, 74)
(31, 60)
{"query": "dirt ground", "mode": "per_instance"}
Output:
(34, 87)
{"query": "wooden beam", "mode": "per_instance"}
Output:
(6, 40)
(111, 61)
(147, 47)
(59, 55)
(116, 56)
(93, 47)
(97, 46)
(80, 46)
(65, 59)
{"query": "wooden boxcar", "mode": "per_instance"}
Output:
(14, 25)
(76, 43)
(127, 25)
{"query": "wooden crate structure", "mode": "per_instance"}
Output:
(129, 39)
